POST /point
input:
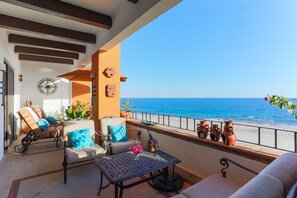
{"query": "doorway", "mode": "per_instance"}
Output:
(9, 117)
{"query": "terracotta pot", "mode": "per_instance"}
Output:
(228, 136)
(215, 132)
(126, 114)
(202, 129)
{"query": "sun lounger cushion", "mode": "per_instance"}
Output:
(84, 154)
(214, 186)
(39, 112)
(259, 187)
(284, 168)
(81, 138)
(32, 113)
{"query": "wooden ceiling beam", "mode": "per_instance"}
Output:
(67, 11)
(47, 59)
(18, 39)
(31, 26)
(47, 52)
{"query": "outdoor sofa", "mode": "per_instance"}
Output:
(277, 180)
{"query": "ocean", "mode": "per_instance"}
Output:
(246, 110)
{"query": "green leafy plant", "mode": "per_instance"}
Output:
(127, 105)
(282, 102)
(78, 110)
(59, 116)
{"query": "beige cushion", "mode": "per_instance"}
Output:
(120, 147)
(77, 124)
(113, 121)
(259, 187)
(84, 154)
(179, 196)
(214, 186)
(284, 168)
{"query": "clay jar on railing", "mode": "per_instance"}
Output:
(202, 129)
(228, 135)
(215, 132)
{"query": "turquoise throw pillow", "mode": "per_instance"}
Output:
(51, 119)
(43, 124)
(118, 133)
(81, 138)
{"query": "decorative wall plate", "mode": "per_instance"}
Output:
(47, 86)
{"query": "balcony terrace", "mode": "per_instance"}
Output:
(43, 41)
(38, 171)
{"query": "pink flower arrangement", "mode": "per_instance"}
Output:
(136, 149)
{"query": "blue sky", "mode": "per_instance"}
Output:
(214, 48)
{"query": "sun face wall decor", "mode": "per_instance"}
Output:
(47, 86)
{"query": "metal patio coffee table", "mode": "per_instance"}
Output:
(122, 167)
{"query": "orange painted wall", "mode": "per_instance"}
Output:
(81, 90)
(106, 106)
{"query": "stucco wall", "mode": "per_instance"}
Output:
(32, 73)
(7, 53)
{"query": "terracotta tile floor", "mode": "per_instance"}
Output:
(38, 173)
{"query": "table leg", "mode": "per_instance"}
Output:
(121, 189)
(173, 179)
(116, 191)
(101, 181)
(165, 172)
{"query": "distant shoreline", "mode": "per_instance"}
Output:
(249, 111)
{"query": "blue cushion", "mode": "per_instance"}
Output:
(118, 133)
(43, 124)
(81, 138)
(51, 119)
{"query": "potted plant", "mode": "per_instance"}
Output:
(78, 110)
(126, 109)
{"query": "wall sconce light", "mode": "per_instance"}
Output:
(20, 78)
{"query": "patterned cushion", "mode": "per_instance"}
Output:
(118, 133)
(81, 138)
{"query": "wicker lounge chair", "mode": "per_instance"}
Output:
(41, 114)
(31, 119)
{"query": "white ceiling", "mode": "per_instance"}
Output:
(127, 18)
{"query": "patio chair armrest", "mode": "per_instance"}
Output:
(225, 163)
(102, 135)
